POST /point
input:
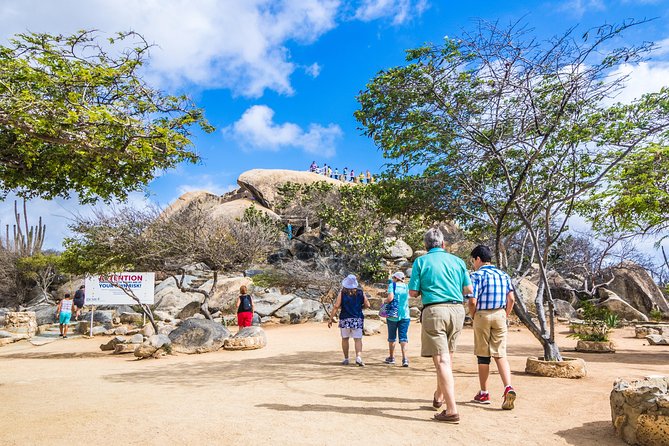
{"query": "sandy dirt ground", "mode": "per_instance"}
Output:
(294, 392)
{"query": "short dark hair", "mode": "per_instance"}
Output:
(482, 252)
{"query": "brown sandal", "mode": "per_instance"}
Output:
(444, 417)
(437, 404)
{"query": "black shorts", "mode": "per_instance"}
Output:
(78, 303)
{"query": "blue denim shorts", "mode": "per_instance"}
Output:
(401, 326)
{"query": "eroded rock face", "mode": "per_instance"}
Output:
(616, 305)
(264, 183)
(198, 336)
(248, 338)
(635, 286)
(640, 410)
(641, 331)
(568, 368)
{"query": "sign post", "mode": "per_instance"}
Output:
(92, 311)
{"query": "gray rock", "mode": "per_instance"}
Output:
(299, 310)
(654, 339)
(122, 330)
(99, 331)
(198, 336)
(252, 272)
(372, 327)
(101, 316)
(5, 334)
(248, 338)
(633, 284)
(398, 248)
(418, 253)
(564, 309)
(267, 304)
(159, 340)
(137, 339)
(45, 314)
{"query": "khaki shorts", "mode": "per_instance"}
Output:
(441, 325)
(490, 333)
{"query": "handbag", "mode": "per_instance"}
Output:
(390, 309)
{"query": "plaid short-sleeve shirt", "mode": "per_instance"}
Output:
(491, 285)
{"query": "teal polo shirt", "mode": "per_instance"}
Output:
(439, 276)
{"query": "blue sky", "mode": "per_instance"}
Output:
(278, 79)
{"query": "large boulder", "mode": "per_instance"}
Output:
(233, 210)
(527, 291)
(202, 199)
(264, 183)
(267, 304)
(564, 309)
(227, 290)
(300, 310)
(45, 314)
(635, 286)
(198, 336)
(169, 299)
(398, 249)
(621, 308)
(248, 338)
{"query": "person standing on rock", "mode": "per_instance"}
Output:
(490, 307)
(398, 326)
(79, 301)
(351, 300)
(245, 308)
(441, 279)
(64, 313)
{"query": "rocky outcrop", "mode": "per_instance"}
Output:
(635, 286)
(264, 183)
(398, 248)
(155, 346)
(235, 210)
(640, 410)
(641, 331)
(655, 339)
(248, 338)
(198, 336)
(572, 368)
(621, 308)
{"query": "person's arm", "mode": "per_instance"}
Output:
(414, 282)
(239, 301)
(253, 306)
(510, 300)
(471, 304)
(336, 306)
(58, 309)
(365, 301)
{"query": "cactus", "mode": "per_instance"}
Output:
(26, 241)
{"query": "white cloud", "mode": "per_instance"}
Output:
(401, 11)
(645, 77)
(578, 8)
(256, 129)
(313, 70)
(205, 183)
(662, 47)
(239, 45)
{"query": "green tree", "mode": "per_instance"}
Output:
(75, 115)
(506, 134)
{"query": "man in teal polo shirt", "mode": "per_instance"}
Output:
(441, 279)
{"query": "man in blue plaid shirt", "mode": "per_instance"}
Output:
(490, 306)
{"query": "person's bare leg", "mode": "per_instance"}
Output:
(391, 349)
(65, 327)
(484, 372)
(439, 394)
(445, 382)
(358, 347)
(60, 327)
(504, 370)
(344, 347)
(403, 345)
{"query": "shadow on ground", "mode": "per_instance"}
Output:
(593, 433)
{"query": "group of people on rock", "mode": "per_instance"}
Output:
(443, 282)
(344, 175)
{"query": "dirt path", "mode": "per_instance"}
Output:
(294, 392)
